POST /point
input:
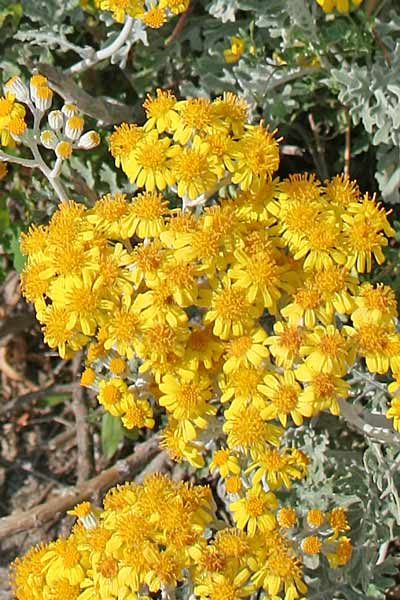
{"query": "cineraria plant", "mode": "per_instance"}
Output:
(229, 307)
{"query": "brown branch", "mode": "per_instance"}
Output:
(54, 508)
(83, 442)
(347, 147)
(99, 108)
(180, 25)
(319, 155)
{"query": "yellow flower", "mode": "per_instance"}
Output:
(323, 390)
(257, 158)
(224, 462)
(121, 8)
(155, 17)
(222, 586)
(245, 350)
(285, 344)
(62, 560)
(187, 399)
(123, 141)
(195, 116)
(12, 116)
(148, 164)
(175, 6)
(160, 111)
(393, 412)
(284, 398)
(194, 169)
(315, 518)
(231, 111)
(247, 431)
(377, 342)
(378, 302)
(327, 350)
(366, 227)
(230, 311)
(286, 517)
(253, 512)
(342, 6)
(261, 275)
(275, 467)
(311, 544)
(236, 50)
(137, 412)
(342, 553)
(112, 395)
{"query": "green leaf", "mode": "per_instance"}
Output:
(111, 434)
(4, 215)
(54, 399)
(18, 259)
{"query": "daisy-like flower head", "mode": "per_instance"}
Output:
(123, 140)
(148, 164)
(194, 169)
(160, 111)
(121, 8)
(377, 302)
(144, 216)
(231, 110)
(224, 462)
(195, 116)
(253, 512)
(175, 6)
(327, 350)
(257, 158)
(155, 17)
(230, 311)
(377, 342)
(285, 344)
(187, 399)
(12, 116)
(322, 391)
(236, 50)
(276, 467)
(283, 395)
(342, 6)
(245, 350)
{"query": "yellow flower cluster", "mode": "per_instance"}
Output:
(342, 6)
(162, 535)
(154, 16)
(249, 307)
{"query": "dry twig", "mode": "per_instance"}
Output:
(83, 443)
(54, 508)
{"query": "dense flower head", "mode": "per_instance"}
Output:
(153, 15)
(12, 119)
(161, 534)
(342, 6)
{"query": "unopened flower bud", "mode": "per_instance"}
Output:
(74, 127)
(89, 140)
(55, 119)
(69, 109)
(43, 97)
(49, 139)
(63, 150)
(16, 86)
(36, 82)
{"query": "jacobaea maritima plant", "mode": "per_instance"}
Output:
(225, 302)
